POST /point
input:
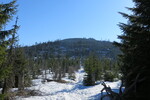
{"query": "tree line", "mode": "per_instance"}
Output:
(73, 47)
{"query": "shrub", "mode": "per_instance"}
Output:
(109, 76)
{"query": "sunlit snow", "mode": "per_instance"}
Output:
(74, 90)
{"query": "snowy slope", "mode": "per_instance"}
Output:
(69, 91)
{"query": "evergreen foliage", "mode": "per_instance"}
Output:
(135, 45)
(19, 69)
(100, 69)
(57, 66)
(74, 47)
(12, 58)
(6, 13)
(7, 39)
(91, 66)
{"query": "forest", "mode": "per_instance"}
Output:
(81, 63)
(73, 48)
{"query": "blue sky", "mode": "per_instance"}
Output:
(49, 20)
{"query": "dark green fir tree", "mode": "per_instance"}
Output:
(6, 13)
(19, 68)
(7, 39)
(91, 67)
(135, 45)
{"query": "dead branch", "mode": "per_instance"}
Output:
(109, 93)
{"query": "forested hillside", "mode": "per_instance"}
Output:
(74, 47)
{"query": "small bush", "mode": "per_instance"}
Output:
(27, 82)
(109, 76)
(88, 81)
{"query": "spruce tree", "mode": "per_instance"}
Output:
(135, 45)
(7, 39)
(6, 13)
(91, 68)
(19, 68)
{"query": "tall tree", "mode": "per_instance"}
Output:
(7, 39)
(6, 13)
(91, 68)
(19, 68)
(135, 45)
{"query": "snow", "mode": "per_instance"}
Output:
(80, 75)
(74, 90)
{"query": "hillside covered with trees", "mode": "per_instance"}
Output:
(73, 47)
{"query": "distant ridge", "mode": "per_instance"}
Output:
(74, 47)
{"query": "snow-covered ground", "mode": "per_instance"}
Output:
(74, 90)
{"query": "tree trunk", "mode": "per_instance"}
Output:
(6, 88)
(16, 81)
(21, 82)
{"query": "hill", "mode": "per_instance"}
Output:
(73, 47)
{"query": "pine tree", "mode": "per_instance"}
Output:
(6, 13)
(135, 45)
(7, 39)
(91, 68)
(19, 68)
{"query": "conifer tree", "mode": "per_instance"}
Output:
(7, 39)
(19, 68)
(6, 13)
(91, 68)
(135, 45)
